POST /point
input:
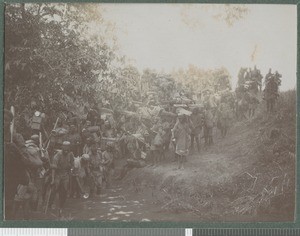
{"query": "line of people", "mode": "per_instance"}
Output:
(77, 161)
(78, 158)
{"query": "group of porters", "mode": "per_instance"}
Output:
(42, 174)
(78, 160)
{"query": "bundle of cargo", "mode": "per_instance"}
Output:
(144, 112)
(137, 104)
(199, 106)
(183, 111)
(149, 113)
(166, 114)
(182, 100)
(111, 141)
(104, 110)
(130, 114)
(186, 100)
(93, 132)
(180, 105)
(58, 136)
(151, 93)
(139, 137)
(156, 110)
(37, 120)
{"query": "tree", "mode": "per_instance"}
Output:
(51, 58)
(161, 83)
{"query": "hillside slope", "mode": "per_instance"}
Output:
(247, 176)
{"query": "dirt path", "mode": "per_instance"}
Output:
(115, 204)
(119, 204)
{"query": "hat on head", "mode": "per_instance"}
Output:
(85, 156)
(34, 137)
(66, 143)
(27, 142)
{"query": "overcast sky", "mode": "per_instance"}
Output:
(170, 36)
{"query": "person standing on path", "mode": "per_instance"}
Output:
(61, 168)
(108, 163)
(96, 175)
(196, 121)
(181, 136)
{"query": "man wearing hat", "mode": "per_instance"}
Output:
(61, 168)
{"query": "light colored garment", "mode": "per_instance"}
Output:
(209, 119)
(182, 133)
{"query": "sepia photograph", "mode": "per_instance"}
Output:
(149, 112)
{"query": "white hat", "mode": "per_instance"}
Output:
(66, 143)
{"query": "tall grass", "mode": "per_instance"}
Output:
(287, 101)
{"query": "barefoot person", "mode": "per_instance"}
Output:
(95, 171)
(181, 136)
(196, 122)
(61, 168)
(107, 163)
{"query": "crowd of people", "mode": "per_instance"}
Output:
(77, 159)
(37, 173)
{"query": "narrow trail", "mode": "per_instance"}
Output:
(119, 204)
